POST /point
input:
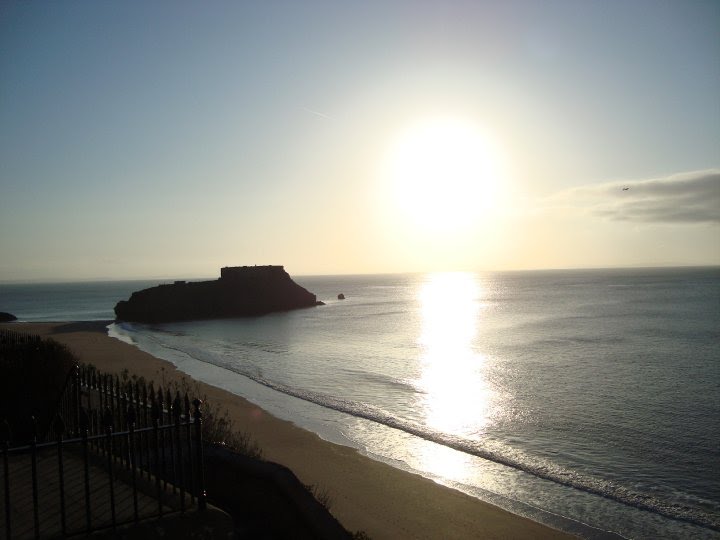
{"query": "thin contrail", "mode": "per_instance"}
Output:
(317, 113)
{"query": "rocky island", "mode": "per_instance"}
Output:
(241, 291)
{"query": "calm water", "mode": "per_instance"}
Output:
(589, 400)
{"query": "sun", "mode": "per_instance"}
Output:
(443, 175)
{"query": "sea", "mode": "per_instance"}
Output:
(588, 400)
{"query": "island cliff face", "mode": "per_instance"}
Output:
(241, 291)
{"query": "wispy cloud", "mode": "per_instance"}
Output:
(692, 197)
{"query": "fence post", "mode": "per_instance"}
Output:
(161, 436)
(177, 407)
(145, 435)
(201, 494)
(128, 404)
(33, 457)
(94, 425)
(131, 455)
(124, 425)
(173, 464)
(102, 389)
(59, 426)
(77, 396)
(117, 406)
(5, 438)
(121, 405)
(155, 413)
(188, 438)
(93, 387)
(108, 423)
(84, 427)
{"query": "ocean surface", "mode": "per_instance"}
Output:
(585, 399)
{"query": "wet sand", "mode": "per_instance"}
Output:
(366, 495)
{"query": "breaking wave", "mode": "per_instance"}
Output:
(488, 449)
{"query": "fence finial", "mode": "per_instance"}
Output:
(196, 413)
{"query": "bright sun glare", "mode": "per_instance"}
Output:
(444, 175)
(456, 397)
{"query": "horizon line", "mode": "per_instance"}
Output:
(176, 277)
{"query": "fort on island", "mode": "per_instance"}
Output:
(241, 291)
(245, 272)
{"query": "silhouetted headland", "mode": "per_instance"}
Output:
(7, 317)
(241, 291)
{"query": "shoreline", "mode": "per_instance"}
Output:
(367, 495)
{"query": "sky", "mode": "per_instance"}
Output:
(168, 139)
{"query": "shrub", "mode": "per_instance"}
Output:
(33, 372)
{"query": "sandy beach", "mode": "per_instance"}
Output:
(366, 495)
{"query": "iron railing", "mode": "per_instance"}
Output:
(118, 452)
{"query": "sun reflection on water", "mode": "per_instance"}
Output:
(454, 395)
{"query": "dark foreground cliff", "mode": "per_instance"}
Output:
(240, 292)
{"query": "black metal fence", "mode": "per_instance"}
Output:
(12, 337)
(118, 452)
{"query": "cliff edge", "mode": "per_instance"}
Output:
(241, 291)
